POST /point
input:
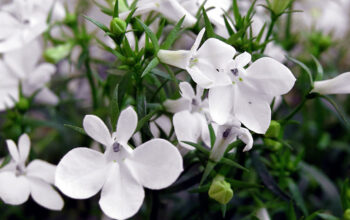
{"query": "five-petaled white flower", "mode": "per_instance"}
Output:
(203, 63)
(249, 91)
(190, 123)
(336, 85)
(120, 172)
(18, 181)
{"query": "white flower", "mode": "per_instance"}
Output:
(262, 214)
(337, 85)
(18, 181)
(23, 21)
(227, 134)
(190, 123)
(22, 66)
(203, 64)
(250, 92)
(120, 172)
(171, 9)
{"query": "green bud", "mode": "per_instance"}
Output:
(23, 104)
(274, 130)
(56, 54)
(220, 190)
(70, 19)
(279, 6)
(272, 144)
(348, 194)
(118, 26)
(347, 214)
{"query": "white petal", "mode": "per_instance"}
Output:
(42, 169)
(44, 194)
(187, 90)
(187, 128)
(46, 96)
(179, 58)
(204, 127)
(126, 126)
(9, 85)
(12, 148)
(178, 105)
(198, 75)
(243, 59)
(262, 214)
(13, 190)
(156, 164)
(220, 103)
(23, 147)
(97, 130)
(121, 196)
(270, 77)
(198, 41)
(218, 52)
(8, 25)
(337, 85)
(172, 10)
(247, 138)
(81, 173)
(253, 111)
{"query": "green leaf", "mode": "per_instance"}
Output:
(304, 67)
(291, 212)
(98, 24)
(173, 35)
(154, 62)
(114, 108)
(340, 112)
(210, 166)
(212, 135)
(116, 9)
(320, 72)
(266, 177)
(242, 184)
(198, 147)
(75, 128)
(344, 195)
(151, 35)
(208, 27)
(232, 163)
(293, 188)
(145, 119)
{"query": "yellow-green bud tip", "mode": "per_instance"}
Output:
(274, 130)
(220, 190)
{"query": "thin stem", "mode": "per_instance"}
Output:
(296, 110)
(91, 81)
(269, 32)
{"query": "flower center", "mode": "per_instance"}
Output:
(19, 170)
(193, 61)
(116, 147)
(226, 133)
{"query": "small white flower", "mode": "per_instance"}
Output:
(22, 66)
(171, 9)
(120, 172)
(18, 181)
(337, 85)
(23, 21)
(205, 65)
(250, 92)
(190, 123)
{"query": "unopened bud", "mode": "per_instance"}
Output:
(347, 214)
(278, 6)
(272, 144)
(56, 54)
(22, 104)
(220, 190)
(274, 130)
(118, 26)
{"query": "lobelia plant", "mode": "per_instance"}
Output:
(190, 109)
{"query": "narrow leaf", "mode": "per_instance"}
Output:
(154, 62)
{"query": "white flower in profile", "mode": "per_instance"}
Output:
(262, 214)
(205, 64)
(121, 172)
(23, 67)
(227, 134)
(250, 91)
(336, 85)
(171, 9)
(190, 123)
(23, 21)
(18, 181)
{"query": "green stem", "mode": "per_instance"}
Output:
(91, 81)
(296, 110)
(269, 32)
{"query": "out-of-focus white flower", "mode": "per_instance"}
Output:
(23, 21)
(23, 67)
(18, 181)
(171, 9)
(331, 16)
(262, 214)
(120, 172)
(203, 63)
(250, 91)
(337, 85)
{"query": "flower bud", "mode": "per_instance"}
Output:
(347, 214)
(22, 104)
(118, 26)
(274, 130)
(278, 6)
(272, 144)
(70, 19)
(220, 190)
(56, 54)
